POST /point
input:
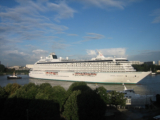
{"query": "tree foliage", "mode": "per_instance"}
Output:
(82, 86)
(59, 95)
(12, 88)
(85, 105)
(71, 106)
(117, 98)
(91, 106)
(33, 98)
(28, 91)
(145, 67)
(43, 101)
(2, 68)
(103, 94)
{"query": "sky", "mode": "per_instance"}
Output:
(30, 29)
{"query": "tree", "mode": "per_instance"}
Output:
(41, 96)
(71, 106)
(12, 88)
(3, 93)
(102, 92)
(28, 91)
(117, 98)
(44, 85)
(2, 68)
(58, 95)
(3, 97)
(82, 86)
(34, 99)
(90, 106)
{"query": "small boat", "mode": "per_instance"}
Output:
(153, 73)
(14, 76)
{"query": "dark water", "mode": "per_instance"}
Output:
(149, 85)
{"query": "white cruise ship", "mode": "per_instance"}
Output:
(96, 70)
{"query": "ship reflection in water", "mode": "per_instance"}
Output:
(149, 86)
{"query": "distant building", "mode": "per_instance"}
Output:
(158, 71)
(14, 67)
(158, 62)
(18, 68)
(136, 62)
(23, 68)
(29, 66)
(150, 63)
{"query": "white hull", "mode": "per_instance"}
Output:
(120, 77)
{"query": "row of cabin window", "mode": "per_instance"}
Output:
(84, 64)
(80, 66)
(110, 68)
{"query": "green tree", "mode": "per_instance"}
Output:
(82, 86)
(3, 97)
(28, 91)
(2, 68)
(58, 95)
(88, 103)
(117, 98)
(90, 106)
(8, 88)
(3, 93)
(33, 98)
(12, 88)
(71, 107)
(44, 85)
(102, 92)
(41, 96)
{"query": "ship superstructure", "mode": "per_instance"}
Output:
(97, 70)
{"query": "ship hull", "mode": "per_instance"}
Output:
(112, 78)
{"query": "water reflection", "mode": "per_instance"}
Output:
(149, 85)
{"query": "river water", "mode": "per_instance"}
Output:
(148, 86)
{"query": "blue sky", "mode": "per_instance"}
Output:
(77, 28)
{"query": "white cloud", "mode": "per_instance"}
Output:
(156, 13)
(105, 4)
(59, 45)
(14, 52)
(25, 22)
(118, 52)
(91, 52)
(145, 56)
(39, 51)
(93, 36)
(63, 10)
